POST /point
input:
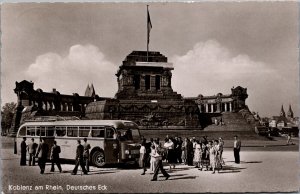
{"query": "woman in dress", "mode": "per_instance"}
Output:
(212, 156)
(204, 157)
(197, 154)
(218, 160)
(169, 145)
(152, 155)
(184, 151)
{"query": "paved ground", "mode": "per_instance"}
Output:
(259, 171)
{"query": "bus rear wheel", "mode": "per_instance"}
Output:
(98, 158)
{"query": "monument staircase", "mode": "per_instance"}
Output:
(233, 121)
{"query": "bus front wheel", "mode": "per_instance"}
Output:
(98, 158)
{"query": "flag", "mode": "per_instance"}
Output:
(149, 26)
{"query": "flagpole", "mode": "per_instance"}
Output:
(147, 32)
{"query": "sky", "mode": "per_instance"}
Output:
(213, 46)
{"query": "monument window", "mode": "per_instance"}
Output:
(157, 82)
(209, 108)
(137, 81)
(147, 82)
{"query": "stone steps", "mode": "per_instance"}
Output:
(232, 122)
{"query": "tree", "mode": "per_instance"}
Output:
(7, 115)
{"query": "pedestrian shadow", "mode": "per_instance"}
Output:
(9, 158)
(175, 175)
(181, 169)
(101, 172)
(185, 177)
(277, 145)
(224, 172)
(247, 162)
(91, 172)
(230, 169)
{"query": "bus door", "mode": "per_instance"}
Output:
(111, 147)
(48, 134)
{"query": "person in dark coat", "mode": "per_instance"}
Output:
(32, 151)
(204, 140)
(236, 149)
(79, 159)
(179, 150)
(86, 154)
(54, 157)
(23, 152)
(42, 154)
(148, 151)
(189, 152)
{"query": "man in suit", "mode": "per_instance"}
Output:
(86, 154)
(236, 149)
(23, 152)
(190, 153)
(32, 151)
(42, 154)
(79, 159)
(54, 157)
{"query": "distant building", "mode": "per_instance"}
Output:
(284, 120)
(290, 113)
(90, 91)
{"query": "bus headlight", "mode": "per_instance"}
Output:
(126, 151)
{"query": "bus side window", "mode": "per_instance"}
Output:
(84, 131)
(98, 133)
(38, 131)
(30, 131)
(109, 133)
(43, 131)
(50, 131)
(22, 131)
(60, 131)
(72, 131)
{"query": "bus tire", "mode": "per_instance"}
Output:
(98, 158)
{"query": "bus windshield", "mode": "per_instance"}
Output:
(129, 134)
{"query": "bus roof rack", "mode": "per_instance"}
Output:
(51, 118)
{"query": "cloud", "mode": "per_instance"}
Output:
(69, 74)
(210, 68)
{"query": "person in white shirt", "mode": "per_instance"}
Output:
(153, 161)
(143, 158)
(169, 145)
(159, 166)
(197, 154)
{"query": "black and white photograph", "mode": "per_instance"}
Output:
(150, 97)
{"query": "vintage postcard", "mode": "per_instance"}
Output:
(150, 97)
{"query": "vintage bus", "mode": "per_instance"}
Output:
(112, 141)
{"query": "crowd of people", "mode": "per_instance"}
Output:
(202, 153)
(41, 150)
